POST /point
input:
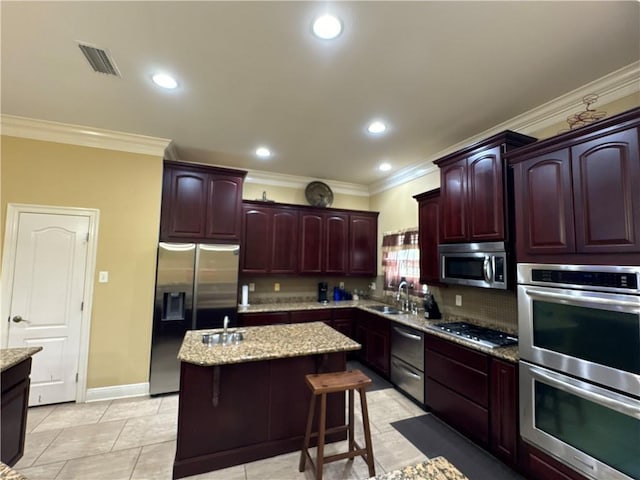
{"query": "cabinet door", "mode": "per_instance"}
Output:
(284, 241)
(261, 319)
(256, 249)
(224, 205)
(378, 351)
(184, 205)
(485, 196)
(453, 198)
(544, 206)
(336, 243)
(504, 410)
(428, 220)
(311, 242)
(606, 182)
(363, 239)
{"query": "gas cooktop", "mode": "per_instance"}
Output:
(486, 337)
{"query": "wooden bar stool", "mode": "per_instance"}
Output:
(322, 384)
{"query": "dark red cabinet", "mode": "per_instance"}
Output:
(428, 227)
(13, 411)
(285, 239)
(269, 239)
(201, 203)
(363, 238)
(503, 410)
(374, 334)
(576, 195)
(538, 465)
(473, 190)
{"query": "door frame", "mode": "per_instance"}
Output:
(8, 270)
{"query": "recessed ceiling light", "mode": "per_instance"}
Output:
(376, 127)
(263, 152)
(165, 81)
(384, 167)
(327, 27)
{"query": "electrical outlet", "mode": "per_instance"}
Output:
(372, 285)
(458, 300)
(103, 277)
(252, 287)
(342, 285)
(276, 287)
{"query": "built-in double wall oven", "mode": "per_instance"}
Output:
(579, 343)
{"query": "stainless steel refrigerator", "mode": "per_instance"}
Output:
(196, 287)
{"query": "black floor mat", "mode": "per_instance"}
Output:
(434, 438)
(379, 383)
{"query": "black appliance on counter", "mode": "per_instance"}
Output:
(431, 310)
(323, 287)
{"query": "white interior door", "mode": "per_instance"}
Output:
(46, 301)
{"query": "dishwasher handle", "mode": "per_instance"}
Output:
(411, 336)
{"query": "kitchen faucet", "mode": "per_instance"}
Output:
(404, 305)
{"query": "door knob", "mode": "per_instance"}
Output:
(19, 319)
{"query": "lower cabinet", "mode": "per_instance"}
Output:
(503, 410)
(373, 333)
(540, 466)
(263, 318)
(474, 392)
(13, 411)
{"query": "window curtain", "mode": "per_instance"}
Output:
(401, 258)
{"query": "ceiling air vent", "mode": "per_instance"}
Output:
(99, 59)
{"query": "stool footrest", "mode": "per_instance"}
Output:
(328, 431)
(358, 452)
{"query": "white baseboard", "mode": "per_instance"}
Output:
(117, 391)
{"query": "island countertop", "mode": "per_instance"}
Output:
(13, 356)
(266, 343)
(438, 468)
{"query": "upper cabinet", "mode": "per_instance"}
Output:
(474, 197)
(428, 221)
(269, 242)
(201, 203)
(576, 195)
(306, 240)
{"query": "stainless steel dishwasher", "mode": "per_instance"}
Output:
(407, 360)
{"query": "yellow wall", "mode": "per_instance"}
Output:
(253, 191)
(126, 188)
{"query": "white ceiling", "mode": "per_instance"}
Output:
(251, 73)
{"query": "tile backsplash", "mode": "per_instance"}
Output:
(298, 289)
(497, 308)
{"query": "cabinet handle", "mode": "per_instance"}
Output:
(407, 371)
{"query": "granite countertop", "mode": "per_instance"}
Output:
(438, 468)
(414, 321)
(13, 356)
(8, 473)
(266, 343)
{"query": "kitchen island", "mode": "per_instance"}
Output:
(15, 364)
(248, 401)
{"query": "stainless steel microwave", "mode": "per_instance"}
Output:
(474, 264)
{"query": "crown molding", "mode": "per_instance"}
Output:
(45, 130)
(611, 87)
(294, 181)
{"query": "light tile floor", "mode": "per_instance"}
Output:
(134, 439)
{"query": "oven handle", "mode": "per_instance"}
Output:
(407, 334)
(573, 299)
(622, 406)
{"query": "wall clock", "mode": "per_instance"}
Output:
(319, 194)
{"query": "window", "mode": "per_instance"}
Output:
(401, 258)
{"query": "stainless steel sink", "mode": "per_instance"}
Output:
(229, 338)
(385, 309)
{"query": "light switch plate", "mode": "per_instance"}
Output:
(276, 287)
(458, 300)
(103, 277)
(252, 287)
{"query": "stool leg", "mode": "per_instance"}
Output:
(307, 435)
(321, 431)
(367, 432)
(351, 433)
